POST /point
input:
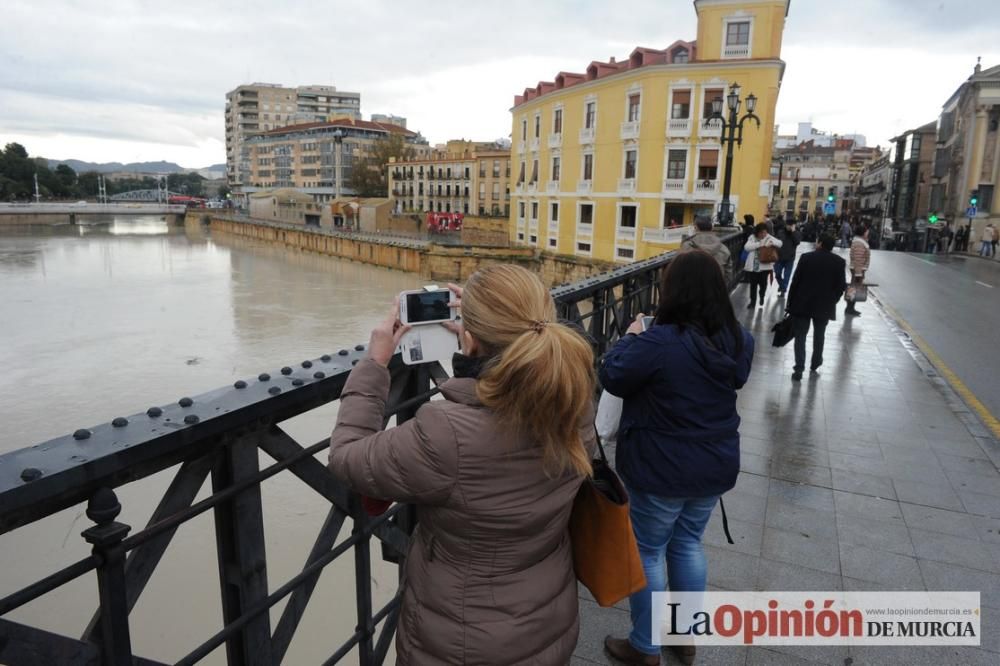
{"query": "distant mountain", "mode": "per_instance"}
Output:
(210, 172)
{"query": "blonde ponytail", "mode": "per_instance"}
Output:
(542, 379)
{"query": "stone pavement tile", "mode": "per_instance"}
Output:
(851, 463)
(858, 585)
(757, 445)
(595, 624)
(803, 473)
(770, 656)
(929, 518)
(863, 484)
(987, 482)
(980, 504)
(584, 595)
(891, 536)
(863, 505)
(855, 447)
(752, 484)
(754, 463)
(743, 506)
(712, 655)
(941, 576)
(952, 550)
(813, 523)
(731, 570)
(747, 537)
(969, 448)
(834, 655)
(802, 453)
(921, 655)
(967, 464)
(897, 571)
(919, 492)
(801, 548)
(802, 494)
(988, 529)
(915, 470)
(784, 577)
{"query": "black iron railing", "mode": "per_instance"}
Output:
(219, 435)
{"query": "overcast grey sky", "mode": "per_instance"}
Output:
(134, 80)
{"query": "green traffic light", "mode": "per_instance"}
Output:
(933, 219)
(973, 201)
(830, 198)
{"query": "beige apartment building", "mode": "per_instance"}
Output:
(261, 107)
(316, 158)
(810, 174)
(466, 177)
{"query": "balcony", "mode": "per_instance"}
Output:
(679, 127)
(674, 187)
(584, 186)
(520, 146)
(735, 51)
(587, 135)
(626, 186)
(630, 130)
(532, 187)
(711, 131)
(552, 187)
(533, 145)
(519, 188)
(627, 233)
(555, 140)
(706, 187)
(554, 227)
(584, 229)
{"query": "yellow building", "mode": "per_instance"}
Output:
(605, 162)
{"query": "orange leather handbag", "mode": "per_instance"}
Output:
(605, 554)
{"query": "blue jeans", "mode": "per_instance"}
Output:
(984, 251)
(782, 273)
(668, 531)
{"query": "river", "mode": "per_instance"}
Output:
(106, 320)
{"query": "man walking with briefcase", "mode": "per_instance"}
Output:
(817, 285)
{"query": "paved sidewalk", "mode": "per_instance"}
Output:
(869, 476)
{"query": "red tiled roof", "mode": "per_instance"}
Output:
(640, 57)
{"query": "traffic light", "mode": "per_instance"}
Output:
(974, 198)
(933, 219)
(831, 198)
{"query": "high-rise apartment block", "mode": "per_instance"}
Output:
(261, 107)
(607, 160)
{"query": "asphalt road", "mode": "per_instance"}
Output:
(953, 303)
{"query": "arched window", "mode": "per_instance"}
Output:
(680, 55)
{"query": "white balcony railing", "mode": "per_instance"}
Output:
(584, 229)
(679, 127)
(626, 185)
(532, 187)
(555, 140)
(630, 130)
(626, 232)
(736, 51)
(533, 227)
(706, 187)
(673, 186)
(520, 146)
(587, 135)
(533, 145)
(712, 130)
(553, 227)
(584, 186)
(519, 188)
(666, 236)
(552, 187)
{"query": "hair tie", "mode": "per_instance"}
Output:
(537, 326)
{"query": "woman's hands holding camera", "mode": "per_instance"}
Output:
(385, 337)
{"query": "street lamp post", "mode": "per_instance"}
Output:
(781, 170)
(732, 133)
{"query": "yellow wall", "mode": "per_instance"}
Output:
(654, 83)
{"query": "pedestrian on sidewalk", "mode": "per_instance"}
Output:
(861, 256)
(966, 238)
(493, 470)
(845, 234)
(762, 253)
(678, 442)
(817, 285)
(708, 242)
(996, 238)
(790, 238)
(948, 235)
(987, 246)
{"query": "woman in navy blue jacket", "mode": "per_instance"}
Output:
(678, 440)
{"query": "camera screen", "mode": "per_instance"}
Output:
(428, 306)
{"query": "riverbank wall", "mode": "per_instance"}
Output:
(427, 259)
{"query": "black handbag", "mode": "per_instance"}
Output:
(783, 331)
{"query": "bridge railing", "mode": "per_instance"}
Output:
(217, 437)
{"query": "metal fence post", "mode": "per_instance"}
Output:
(105, 536)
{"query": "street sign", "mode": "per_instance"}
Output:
(829, 208)
(971, 211)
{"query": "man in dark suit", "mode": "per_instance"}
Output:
(817, 286)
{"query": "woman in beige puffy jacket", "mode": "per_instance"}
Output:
(493, 470)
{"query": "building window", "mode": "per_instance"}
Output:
(625, 253)
(676, 164)
(590, 115)
(553, 242)
(805, 192)
(533, 239)
(534, 171)
(520, 177)
(496, 169)
(520, 209)
(681, 55)
(538, 126)
(524, 129)
(557, 121)
(738, 33)
(466, 173)
(553, 212)
(583, 247)
(708, 165)
(713, 93)
(586, 213)
(555, 168)
(534, 210)
(507, 170)
(482, 169)
(482, 190)
(631, 157)
(588, 166)
(496, 192)
(820, 191)
(673, 215)
(627, 216)
(680, 107)
(633, 107)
